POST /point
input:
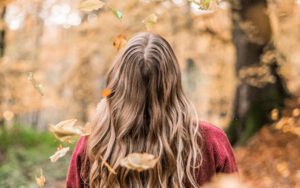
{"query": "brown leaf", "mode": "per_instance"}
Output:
(90, 5)
(120, 41)
(59, 153)
(139, 161)
(41, 180)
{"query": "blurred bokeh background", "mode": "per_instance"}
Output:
(240, 63)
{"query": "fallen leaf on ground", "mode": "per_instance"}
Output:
(90, 5)
(139, 161)
(59, 153)
(41, 180)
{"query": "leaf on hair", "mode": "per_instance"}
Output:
(139, 161)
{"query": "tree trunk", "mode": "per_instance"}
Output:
(2, 32)
(254, 97)
(2, 49)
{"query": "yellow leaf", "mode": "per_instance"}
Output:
(66, 130)
(119, 41)
(139, 161)
(90, 5)
(8, 115)
(36, 85)
(41, 180)
(59, 153)
(149, 21)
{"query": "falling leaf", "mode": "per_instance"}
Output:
(38, 87)
(41, 180)
(203, 4)
(120, 41)
(59, 153)
(106, 92)
(8, 115)
(149, 21)
(66, 130)
(139, 161)
(90, 5)
(117, 13)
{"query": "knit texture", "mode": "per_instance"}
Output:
(217, 157)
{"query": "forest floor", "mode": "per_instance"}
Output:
(271, 159)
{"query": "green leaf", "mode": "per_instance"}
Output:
(117, 13)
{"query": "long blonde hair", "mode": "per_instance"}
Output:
(146, 111)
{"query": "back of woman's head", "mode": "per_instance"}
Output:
(146, 111)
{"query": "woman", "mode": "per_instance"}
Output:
(147, 112)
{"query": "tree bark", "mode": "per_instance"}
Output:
(2, 50)
(2, 32)
(252, 104)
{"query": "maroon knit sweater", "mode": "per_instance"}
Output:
(217, 157)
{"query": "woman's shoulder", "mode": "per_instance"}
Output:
(210, 131)
(80, 147)
(217, 148)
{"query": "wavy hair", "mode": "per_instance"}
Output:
(146, 111)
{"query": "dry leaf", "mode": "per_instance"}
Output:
(37, 86)
(106, 92)
(139, 161)
(8, 115)
(119, 41)
(59, 153)
(90, 5)
(66, 130)
(41, 180)
(150, 21)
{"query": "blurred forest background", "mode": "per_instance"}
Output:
(240, 61)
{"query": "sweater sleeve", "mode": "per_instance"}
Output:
(219, 149)
(73, 178)
(226, 162)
